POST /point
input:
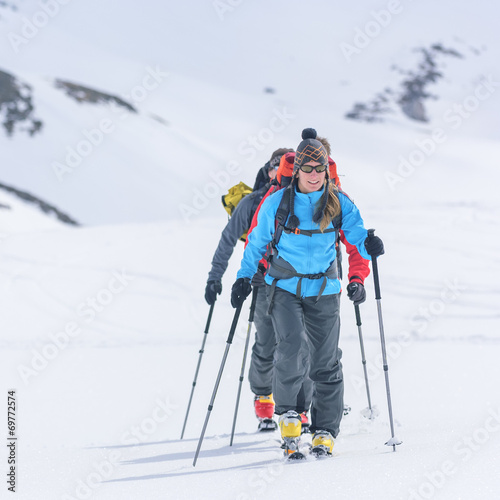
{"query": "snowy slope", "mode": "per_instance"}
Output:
(101, 407)
(101, 325)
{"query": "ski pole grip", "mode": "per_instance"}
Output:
(371, 233)
(209, 319)
(255, 291)
(358, 315)
(234, 324)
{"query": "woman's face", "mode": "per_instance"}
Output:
(313, 181)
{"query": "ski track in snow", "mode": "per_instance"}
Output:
(114, 399)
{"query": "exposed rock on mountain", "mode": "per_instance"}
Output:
(17, 111)
(92, 96)
(413, 91)
(42, 205)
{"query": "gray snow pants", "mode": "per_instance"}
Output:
(260, 374)
(295, 320)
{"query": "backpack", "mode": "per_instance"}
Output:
(283, 180)
(281, 269)
(282, 215)
(234, 196)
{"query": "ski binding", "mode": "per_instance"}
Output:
(267, 424)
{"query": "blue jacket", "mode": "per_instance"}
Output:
(307, 254)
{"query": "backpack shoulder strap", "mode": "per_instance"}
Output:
(337, 220)
(282, 215)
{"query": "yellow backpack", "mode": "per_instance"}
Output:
(233, 197)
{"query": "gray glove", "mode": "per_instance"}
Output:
(258, 277)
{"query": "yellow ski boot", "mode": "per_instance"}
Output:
(322, 444)
(291, 427)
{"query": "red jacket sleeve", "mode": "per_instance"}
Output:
(359, 268)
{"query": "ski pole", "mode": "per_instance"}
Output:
(393, 441)
(363, 360)
(201, 351)
(245, 352)
(219, 376)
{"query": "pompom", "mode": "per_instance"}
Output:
(309, 133)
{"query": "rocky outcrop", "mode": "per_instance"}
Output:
(17, 111)
(85, 94)
(412, 93)
(42, 205)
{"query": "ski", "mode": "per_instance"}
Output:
(316, 452)
(267, 425)
(296, 449)
(320, 452)
(295, 456)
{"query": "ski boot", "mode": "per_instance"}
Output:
(291, 427)
(264, 411)
(322, 444)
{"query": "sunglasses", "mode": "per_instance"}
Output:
(309, 168)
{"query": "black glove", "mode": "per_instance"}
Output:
(356, 292)
(240, 291)
(374, 246)
(212, 289)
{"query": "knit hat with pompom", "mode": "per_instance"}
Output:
(310, 149)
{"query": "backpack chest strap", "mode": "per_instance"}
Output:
(307, 232)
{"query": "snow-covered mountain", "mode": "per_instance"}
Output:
(133, 120)
(187, 101)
